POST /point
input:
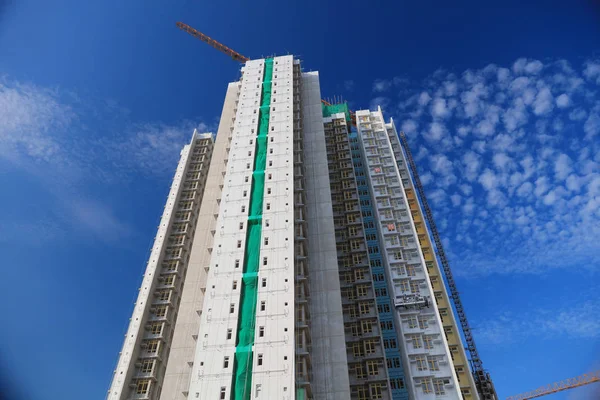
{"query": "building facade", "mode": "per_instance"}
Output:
(292, 262)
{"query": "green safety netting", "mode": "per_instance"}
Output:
(300, 394)
(242, 374)
(329, 110)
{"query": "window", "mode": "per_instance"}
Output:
(433, 363)
(245, 179)
(245, 193)
(226, 362)
(410, 270)
(268, 206)
(147, 366)
(142, 386)
(359, 370)
(169, 280)
(261, 331)
(423, 324)
(231, 308)
(265, 261)
(263, 305)
(404, 285)
(383, 308)
(372, 367)
(243, 208)
(393, 362)
(156, 328)
(239, 244)
(386, 325)
(362, 290)
(229, 333)
(426, 385)
(264, 282)
(223, 390)
(428, 342)
(362, 393)
(367, 326)
(152, 347)
(397, 383)
(376, 391)
(237, 263)
(161, 311)
(259, 361)
(357, 350)
(234, 285)
(364, 308)
(414, 286)
(370, 346)
(421, 363)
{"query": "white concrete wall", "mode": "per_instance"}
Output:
(185, 336)
(276, 375)
(275, 378)
(392, 243)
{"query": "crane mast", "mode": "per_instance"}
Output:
(484, 384)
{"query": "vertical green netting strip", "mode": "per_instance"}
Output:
(300, 394)
(242, 366)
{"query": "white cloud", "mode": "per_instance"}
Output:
(541, 186)
(439, 108)
(436, 132)
(574, 183)
(71, 145)
(577, 115)
(527, 135)
(544, 102)
(409, 126)
(571, 320)
(34, 122)
(562, 168)
(381, 85)
(525, 189)
(349, 85)
(502, 161)
(456, 199)
(424, 98)
(592, 126)
(488, 179)
(592, 71)
(524, 66)
(440, 164)
(563, 101)
(426, 178)
(380, 101)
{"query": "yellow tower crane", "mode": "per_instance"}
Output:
(556, 387)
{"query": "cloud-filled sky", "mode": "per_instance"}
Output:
(502, 111)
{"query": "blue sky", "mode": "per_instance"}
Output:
(500, 103)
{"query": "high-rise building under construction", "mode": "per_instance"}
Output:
(292, 261)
